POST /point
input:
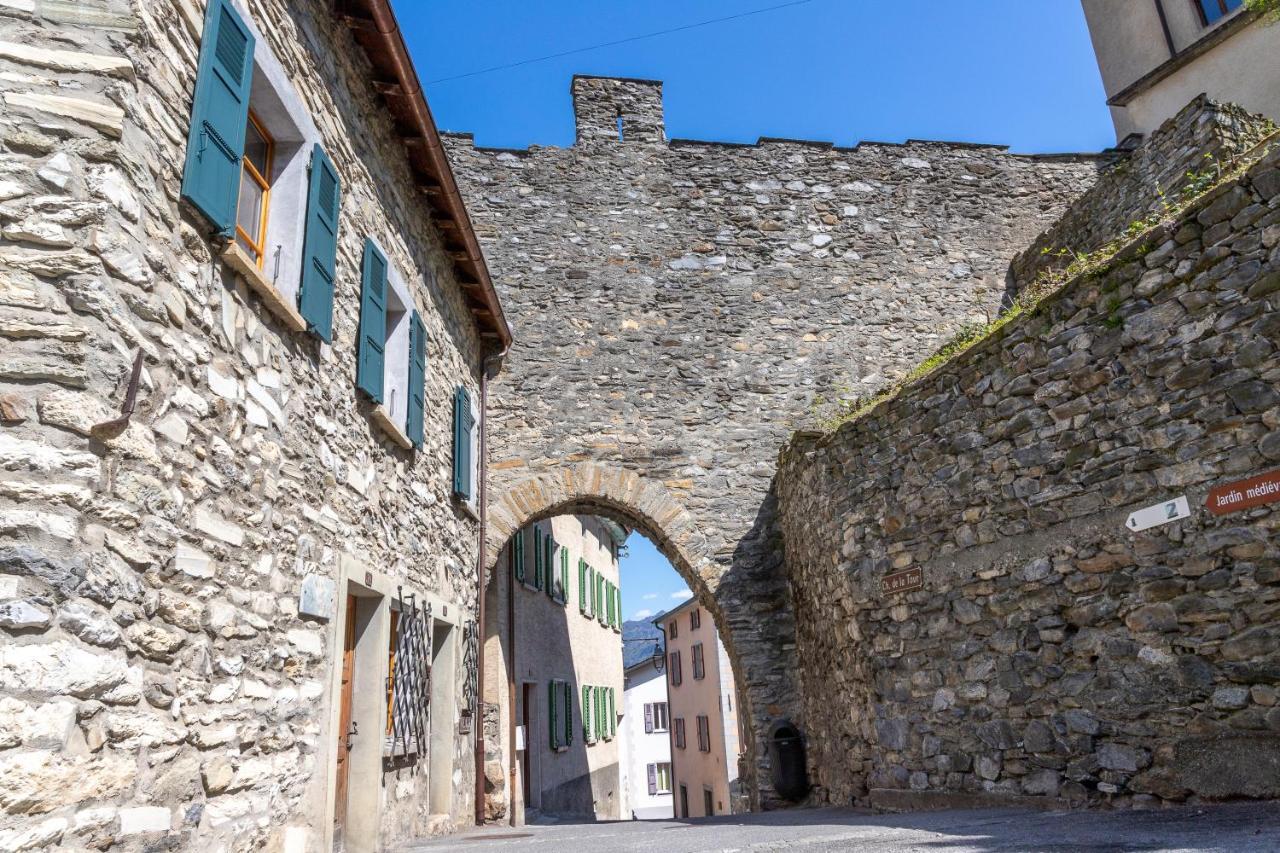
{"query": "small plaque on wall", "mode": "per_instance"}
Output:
(316, 598)
(907, 581)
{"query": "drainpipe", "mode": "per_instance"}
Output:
(512, 771)
(483, 507)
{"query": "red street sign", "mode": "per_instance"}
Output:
(1244, 494)
(903, 581)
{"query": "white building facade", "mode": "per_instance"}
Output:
(646, 736)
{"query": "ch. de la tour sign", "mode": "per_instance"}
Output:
(902, 581)
(1244, 494)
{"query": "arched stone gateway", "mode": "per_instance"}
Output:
(680, 308)
(761, 649)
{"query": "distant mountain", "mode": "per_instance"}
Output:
(640, 638)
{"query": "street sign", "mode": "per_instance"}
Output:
(1158, 514)
(1244, 494)
(903, 581)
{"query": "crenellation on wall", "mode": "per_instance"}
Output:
(681, 307)
(1052, 653)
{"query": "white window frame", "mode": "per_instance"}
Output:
(658, 790)
(665, 724)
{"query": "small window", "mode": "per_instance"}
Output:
(695, 619)
(255, 190)
(673, 629)
(699, 662)
(679, 733)
(1212, 11)
(673, 667)
(660, 778)
(655, 717)
(704, 733)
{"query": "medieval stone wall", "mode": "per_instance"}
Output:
(680, 306)
(1052, 652)
(158, 688)
(1193, 148)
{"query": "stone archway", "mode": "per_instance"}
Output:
(761, 651)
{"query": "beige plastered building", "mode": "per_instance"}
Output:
(705, 740)
(554, 642)
(1157, 55)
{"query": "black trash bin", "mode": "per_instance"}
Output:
(787, 757)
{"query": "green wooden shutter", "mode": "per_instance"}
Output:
(599, 700)
(582, 586)
(553, 729)
(320, 246)
(417, 380)
(613, 711)
(517, 555)
(371, 354)
(537, 557)
(568, 714)
(549, 564)
(219, 113)
(463, 420)
(564, 576)
(586, 714)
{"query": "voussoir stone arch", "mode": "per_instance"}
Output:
(758, 651)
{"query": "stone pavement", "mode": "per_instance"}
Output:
(1237, 827)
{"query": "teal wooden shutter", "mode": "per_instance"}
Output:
(538, 561)
(371, 353)
(219, 113)
(462, 423)
(568, 714)
(417, 380)
(582, 586)
(517, 555)
(553, 729)
(613, 713)
(586, 714)
(320, 246)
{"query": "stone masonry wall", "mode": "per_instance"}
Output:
(158, 689)
(1052, 653)
(1202, 138)
(679, 306)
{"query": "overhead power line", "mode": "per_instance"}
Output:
(620, 41)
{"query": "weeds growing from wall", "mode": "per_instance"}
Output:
(1198, 184)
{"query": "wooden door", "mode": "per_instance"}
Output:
(344, 718)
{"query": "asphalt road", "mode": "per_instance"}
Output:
(1231, 828)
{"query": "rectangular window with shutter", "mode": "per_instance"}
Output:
(704, 733)
(673, 668)
(661, 778)
(553, 718)
(655, 717)
(673, 629)
(588, 730)
(695, 619)
(464, 462)
(517, 556)
(699, 662)
(417, 396)
(679, 732)
(648, 717)
(253, 159)
(582, 586)
(549, 564)
(613, 712)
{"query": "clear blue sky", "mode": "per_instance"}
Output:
(648, 582)
(1014, 72)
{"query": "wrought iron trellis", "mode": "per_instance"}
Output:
(409, 682)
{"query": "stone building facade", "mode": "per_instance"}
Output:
(683, 305)
(181, 586)
(554, 633)
(969, 579)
